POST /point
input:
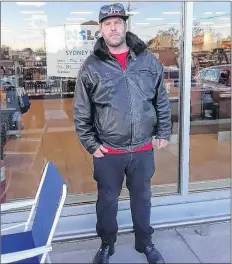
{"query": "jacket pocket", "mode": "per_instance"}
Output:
(146, 82)
(147, 73)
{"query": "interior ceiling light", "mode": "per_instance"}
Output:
(220, 13)
(224, 18)
(73, 23)
(208, 13)
(81, 12)
(155, 18)
(219, 26)
(131, 12)
(75, 18)
(142, 23)
(31, 12)
(171, 13)
(207, 23)
(6, 30)
(31, 3)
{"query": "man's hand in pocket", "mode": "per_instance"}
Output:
(100, 152)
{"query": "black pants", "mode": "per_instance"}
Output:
(109, 173)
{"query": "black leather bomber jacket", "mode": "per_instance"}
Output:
(120, 108)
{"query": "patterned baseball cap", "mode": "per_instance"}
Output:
(111, 11)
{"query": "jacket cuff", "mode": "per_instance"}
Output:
(93, 148)
(163, 137)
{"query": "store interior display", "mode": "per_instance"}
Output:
(14, 103)
(203, 59)
(38, 85)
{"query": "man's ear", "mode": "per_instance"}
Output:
(126, 25)
(100, 29)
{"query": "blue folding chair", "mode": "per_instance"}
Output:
(32, 246)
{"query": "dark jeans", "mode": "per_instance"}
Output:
(109, 173)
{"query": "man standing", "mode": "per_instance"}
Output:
(120, 103)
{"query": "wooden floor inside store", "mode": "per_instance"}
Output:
(49, 135)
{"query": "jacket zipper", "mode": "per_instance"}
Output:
(129, 98)
(130, 105)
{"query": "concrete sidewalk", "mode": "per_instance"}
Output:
(196, 244)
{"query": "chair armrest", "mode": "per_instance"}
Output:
(15, 205)
(12, 227)
(25, 254)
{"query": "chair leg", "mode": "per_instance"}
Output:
(48, 259)
(45, 258)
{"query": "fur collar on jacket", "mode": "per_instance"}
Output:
(133, 42)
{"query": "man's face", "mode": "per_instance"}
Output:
(113, 31)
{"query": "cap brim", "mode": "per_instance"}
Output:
(125, 17)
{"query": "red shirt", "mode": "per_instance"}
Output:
(122, 60)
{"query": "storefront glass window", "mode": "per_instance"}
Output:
(210, 133)
(43, 46)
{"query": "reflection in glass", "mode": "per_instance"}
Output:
(210, 153)
(161, 31)
(42, 50)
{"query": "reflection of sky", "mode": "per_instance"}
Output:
(20, 31)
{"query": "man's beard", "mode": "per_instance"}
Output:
(117, 44)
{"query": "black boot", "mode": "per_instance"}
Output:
(152, 254)
(104, 253)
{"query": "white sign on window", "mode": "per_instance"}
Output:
(68, 46)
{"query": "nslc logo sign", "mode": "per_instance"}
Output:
(89, 35)
(77, 34)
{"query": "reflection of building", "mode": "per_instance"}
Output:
(167, 56)
(198, 42)
(207, 43)
(5, 53)
(161, 42)
(163, 47)
(226, 44)
(204, 42)
(91, 22)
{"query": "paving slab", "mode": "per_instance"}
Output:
(173, 248)
(168, 242)
(210, 243)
